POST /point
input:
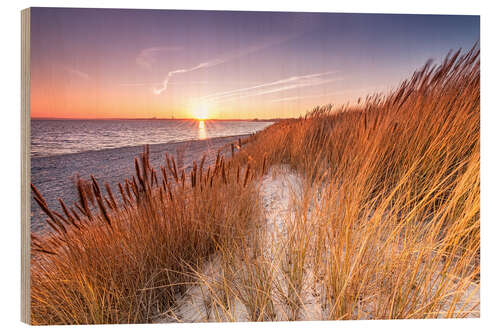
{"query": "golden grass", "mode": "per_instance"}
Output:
(387, 225)
(111, 262)
(394, 217)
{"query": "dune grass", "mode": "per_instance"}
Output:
(386, 226)
(394, 214)
(110, 260)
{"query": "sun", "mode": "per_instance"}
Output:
(201, 112)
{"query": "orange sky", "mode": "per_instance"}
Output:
(104, 63)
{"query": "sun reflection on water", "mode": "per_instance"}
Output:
(202, 132)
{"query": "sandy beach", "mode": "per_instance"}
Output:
(54, 175)
(279, 190)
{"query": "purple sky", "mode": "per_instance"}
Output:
(100, 63)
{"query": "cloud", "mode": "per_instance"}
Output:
(147, 57)
(289, 83)
(294, 98)
(164, 85)
(77, 73)
(221, 60)
(181, 83)
(360, 91)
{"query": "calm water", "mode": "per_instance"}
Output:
(55, 137)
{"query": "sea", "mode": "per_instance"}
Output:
(62, 150)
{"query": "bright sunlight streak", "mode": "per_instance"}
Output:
(200, 111)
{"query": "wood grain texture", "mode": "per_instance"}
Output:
(25, 165)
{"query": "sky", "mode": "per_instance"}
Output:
(116, 63)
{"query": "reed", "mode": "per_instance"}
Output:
(394, 223)
(125, 262)
(388, 225)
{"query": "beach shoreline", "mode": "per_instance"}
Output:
(54, 175)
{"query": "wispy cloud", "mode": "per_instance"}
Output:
(299, 97)
(221, 60)
(335, 93)
(170, 74)
(289, 83)
(183, 83)
(77, 73)
(147, 57)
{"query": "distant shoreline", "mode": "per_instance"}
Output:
(227, 137)
(163, 119)
(53, 174)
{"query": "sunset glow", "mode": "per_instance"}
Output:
(107, 63)
(201, 112)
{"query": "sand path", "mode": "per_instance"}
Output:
(277, 189)
(203, 302)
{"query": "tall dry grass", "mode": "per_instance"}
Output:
(394, 215)
(386, 225)
(124, 260)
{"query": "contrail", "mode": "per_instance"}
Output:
(77, 72)
(179, 71)
(338, 92)
(147, 56)
(219, 61)
(273, 87)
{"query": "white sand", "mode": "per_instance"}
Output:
(279, 188)
(276, 189)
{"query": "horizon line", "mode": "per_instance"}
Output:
(156, 118)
